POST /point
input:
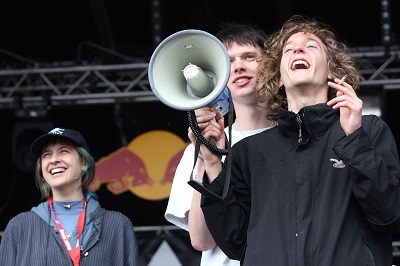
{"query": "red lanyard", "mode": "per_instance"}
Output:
(74, 254)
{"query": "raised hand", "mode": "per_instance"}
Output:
(349, 104)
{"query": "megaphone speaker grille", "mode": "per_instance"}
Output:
(177, 51)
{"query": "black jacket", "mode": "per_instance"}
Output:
(304, 193)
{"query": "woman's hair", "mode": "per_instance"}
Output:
(270, 97)
(86, 159)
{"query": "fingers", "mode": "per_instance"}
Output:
(340, 84)
(191, 136)
(343, 89)
(204, 125)
(345, 96)
(212, 129)
(204, 115)
(211, 125)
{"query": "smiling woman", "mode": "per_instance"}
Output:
(64, 163)
(70, 216)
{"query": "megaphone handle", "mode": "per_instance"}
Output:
(213, 141)
(217, 109)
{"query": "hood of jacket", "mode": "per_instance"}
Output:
(44, 212)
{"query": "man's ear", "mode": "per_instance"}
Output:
(84, 167)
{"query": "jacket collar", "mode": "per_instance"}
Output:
(313, 121)
(43, 209)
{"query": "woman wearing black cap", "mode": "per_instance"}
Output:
(69, 227)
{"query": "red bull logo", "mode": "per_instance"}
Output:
(145, 167)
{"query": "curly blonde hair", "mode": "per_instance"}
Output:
(270, 96)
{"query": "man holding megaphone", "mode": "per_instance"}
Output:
(321, 188)
(244, 44)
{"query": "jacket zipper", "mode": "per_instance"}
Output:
(299, 122)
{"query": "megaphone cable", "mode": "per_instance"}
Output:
(196, 131)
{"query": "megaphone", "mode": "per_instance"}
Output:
(189, 70)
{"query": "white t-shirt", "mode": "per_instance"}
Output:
(180, 198)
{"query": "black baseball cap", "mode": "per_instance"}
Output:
(69, 134)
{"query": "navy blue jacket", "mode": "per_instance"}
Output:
(31, 238)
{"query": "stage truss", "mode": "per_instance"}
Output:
(56, 85)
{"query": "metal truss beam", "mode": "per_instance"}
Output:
(124, 83)
(75, 85)
(379, 69)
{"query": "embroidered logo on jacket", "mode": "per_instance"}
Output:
(337, 164)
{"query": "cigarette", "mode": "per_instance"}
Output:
(342, 80)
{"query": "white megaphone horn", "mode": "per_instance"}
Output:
(189, 70)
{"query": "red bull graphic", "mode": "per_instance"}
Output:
(145, 167)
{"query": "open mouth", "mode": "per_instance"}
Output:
(300, 64)
(57, 171)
